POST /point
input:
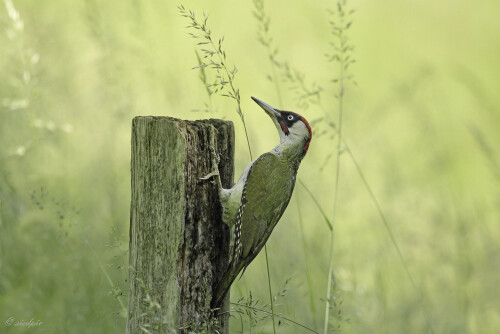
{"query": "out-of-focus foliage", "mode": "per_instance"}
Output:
(423, 123)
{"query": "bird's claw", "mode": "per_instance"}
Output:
(215, 164)
(209, 175)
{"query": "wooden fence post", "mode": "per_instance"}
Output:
(179, 246)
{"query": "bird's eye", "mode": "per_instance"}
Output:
(290, 117)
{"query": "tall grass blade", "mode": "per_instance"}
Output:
(341, 56)
(391, 234)
(306, 258)
(276, 315)
(327, 221)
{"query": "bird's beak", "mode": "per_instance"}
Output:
(273, 113)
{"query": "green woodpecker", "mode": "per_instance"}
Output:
(255, 204)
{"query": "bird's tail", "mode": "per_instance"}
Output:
(237, 264)
(222, 288)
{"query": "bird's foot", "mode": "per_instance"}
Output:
(215, 164)
(209, 175)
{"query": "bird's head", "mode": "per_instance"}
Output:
(292, 128)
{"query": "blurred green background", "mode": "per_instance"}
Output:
(423, 123)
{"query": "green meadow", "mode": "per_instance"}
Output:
(393, 229)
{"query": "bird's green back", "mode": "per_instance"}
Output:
(266, 195)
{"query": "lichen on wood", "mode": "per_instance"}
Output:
(179, 246)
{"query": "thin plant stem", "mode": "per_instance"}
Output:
(389, 231)
(340, 98)
(203, 78)
(236, 94)
(221, 79)
(276, 315)
(270, 290)
(335, 201)
(264, 38)
(315, 200)
(246, 135)
(276, 83)
(340, 23)
(306, 258)
(108, 278)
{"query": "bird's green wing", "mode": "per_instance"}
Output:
(266, 194)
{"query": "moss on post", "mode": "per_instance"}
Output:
(179, 246)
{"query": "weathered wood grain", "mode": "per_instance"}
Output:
(179, 246)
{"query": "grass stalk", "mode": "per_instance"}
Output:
(276, 84)
(342, 57)
(270, 290)
(335, 198)
(276, 315)
(246, 136)
(391, 234)
(320, 208)
(264, 38)
(203, 78)
(223, 75)
(105, 272)
(234, 93)
(306, 259)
